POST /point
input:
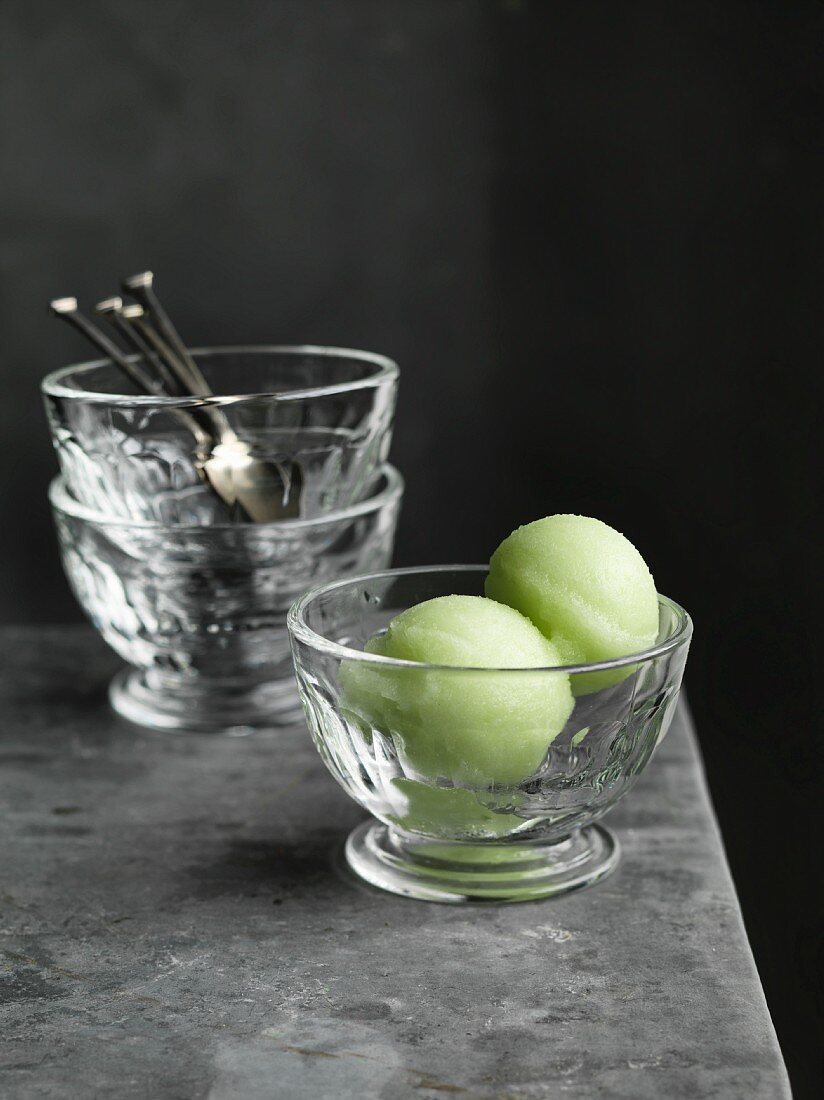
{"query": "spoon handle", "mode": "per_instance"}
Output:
(114, 312)
(218, 424)
(66, 309)
(135, 319)
(141, 288)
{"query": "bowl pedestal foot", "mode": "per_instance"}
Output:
(504, 871)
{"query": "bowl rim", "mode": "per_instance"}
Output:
(65, 504)
(298, 629)
(387, 372)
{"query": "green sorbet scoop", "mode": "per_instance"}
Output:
(450, 812)
(584, 585)
(470, 725)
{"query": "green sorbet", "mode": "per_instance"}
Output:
(467, 724)
(449, 812)
(586, 588)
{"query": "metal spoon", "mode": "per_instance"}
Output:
(250, 486)
(217, 471)
(147, 383)
(196, 420)
(225, 461)
(264, 490)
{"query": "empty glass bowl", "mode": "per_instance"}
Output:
(200, 612)
(319, 418)
(481, 828)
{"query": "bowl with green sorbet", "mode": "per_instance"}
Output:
(488, 716)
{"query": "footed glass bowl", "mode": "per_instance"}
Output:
(484, 831)
(200, 612)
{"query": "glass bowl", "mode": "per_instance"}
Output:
(200, 612)
(321, 418)
(466, 829)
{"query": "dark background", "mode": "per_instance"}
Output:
(591, 234)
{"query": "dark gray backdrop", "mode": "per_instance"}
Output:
(590, 233)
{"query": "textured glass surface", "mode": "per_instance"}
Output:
(203, 609)
(322, 419)
(606, 743)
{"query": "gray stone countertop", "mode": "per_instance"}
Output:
(174, 924)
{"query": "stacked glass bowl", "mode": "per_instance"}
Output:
(193, 597)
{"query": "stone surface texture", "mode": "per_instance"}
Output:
(175, 923)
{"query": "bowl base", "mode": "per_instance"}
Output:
(491, 872)
(237, 711)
